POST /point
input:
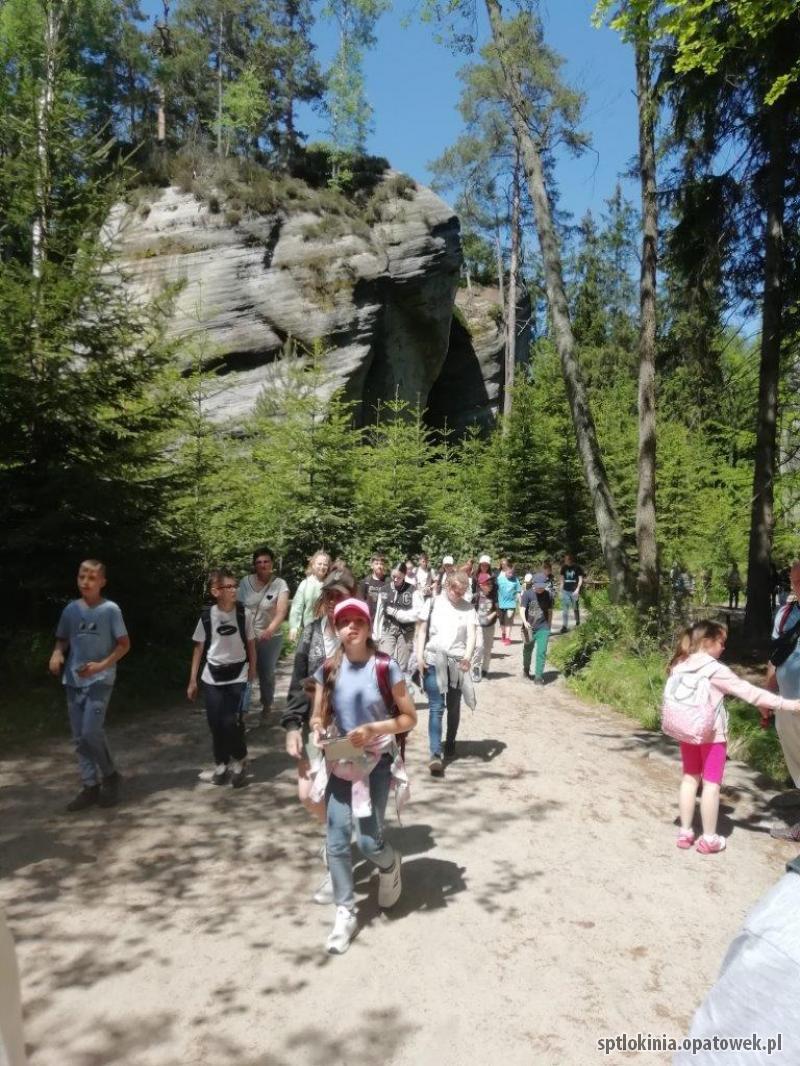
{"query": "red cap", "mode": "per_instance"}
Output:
(351, 606)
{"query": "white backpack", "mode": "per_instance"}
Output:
(690, 706)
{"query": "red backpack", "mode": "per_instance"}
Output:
(382, 661)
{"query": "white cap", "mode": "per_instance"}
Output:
(448, 559)
(527, 578)
(485, 559)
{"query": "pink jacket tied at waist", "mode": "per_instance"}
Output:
(358, 770)
(724, 681)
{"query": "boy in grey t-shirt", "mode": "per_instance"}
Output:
(91, 638)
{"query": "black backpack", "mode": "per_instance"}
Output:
(538, 608)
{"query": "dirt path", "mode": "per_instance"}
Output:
(543, 899)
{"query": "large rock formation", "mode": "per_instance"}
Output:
(378, 298)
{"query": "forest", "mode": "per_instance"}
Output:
(654, 422)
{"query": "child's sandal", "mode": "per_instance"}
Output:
(685, 838)
(711, 845)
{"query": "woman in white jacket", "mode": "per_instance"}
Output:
(445, 658)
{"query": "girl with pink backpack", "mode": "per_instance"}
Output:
(693, 712)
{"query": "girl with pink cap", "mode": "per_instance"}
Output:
(360, 706)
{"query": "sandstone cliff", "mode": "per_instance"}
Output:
(378, 295)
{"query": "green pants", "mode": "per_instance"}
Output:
(539, 639)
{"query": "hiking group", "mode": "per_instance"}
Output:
(365, 652)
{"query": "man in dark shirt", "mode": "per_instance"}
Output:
(374, 590)
(572, 577)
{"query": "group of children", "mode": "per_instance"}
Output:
(351, 704)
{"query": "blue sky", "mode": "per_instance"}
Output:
(413, 88)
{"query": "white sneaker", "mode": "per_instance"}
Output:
(324, 893)
(390, 883)
(344, 929)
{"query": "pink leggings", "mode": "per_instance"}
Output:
(707, 760)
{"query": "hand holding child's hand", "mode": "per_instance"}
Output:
(56, 663)
(765, 714)
(464, 665)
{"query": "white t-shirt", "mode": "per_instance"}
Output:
(226, 643)
(261, 602)
(450, 624)
(330, 637)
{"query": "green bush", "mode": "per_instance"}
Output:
(396, 187)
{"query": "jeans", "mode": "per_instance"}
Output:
(537, 639)
(569, 599)
(224, 715)
(267, 654)
(436, 706)
(369, 831)
(87, 715)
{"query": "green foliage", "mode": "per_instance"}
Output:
(541, 504)
(244, 109)
(348, 107)
(92, 396)
(705, 32)
(610, 660)
(233, 72)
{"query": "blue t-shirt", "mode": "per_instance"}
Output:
(92, 633)
(507, 590)
(357, 699)
(789, 671)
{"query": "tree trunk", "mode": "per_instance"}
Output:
(646, 494)
(161, 134)
(758, 609)
(219, 86)
(44, 109)
(608, 526)
(511, 303)
(498, 247)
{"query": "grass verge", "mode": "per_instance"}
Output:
(605, 662)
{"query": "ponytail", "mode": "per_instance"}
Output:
(692, 639)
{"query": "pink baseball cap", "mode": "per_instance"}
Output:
(351, 606)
